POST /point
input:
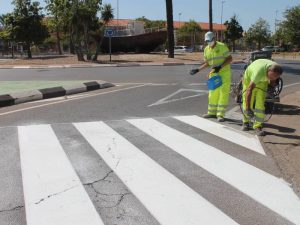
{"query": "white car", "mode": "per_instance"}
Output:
(180, 49)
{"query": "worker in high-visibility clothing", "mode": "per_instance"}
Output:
(256, 79)
(217, 56)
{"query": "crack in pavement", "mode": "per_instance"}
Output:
(50, 196)
(13, 209)
(122, 195)
(102, 179)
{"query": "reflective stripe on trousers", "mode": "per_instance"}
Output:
(218, 99)
(257, 103)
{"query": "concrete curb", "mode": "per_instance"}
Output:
(53, 92)
(129, 64)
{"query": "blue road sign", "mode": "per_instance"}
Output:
(109, 32)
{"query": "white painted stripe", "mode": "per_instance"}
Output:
(52, 190)
(266, 189)
(168, 199)
(289, 85)
(230, 134)
(21, 67)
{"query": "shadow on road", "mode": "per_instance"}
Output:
(282, 109)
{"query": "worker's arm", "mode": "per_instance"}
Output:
(227, 61)
(203, 65)
(248, 94)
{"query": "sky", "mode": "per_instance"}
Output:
(247, 11)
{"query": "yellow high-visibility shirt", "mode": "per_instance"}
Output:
(217, 55)
(257, 71)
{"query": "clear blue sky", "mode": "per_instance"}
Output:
(247, 11)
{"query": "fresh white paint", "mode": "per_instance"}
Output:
(169, 98)
(264, 188)
(230, 134)
(52, 190)
(168, 199)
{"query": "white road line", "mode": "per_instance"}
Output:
(266, 189)
(289, 85)
(168, 199)
(230, 134)
(52, 190)
(169, 98)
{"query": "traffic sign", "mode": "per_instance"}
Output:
(109, 32)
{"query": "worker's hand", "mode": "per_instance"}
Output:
(194, 71)
(249, 112)
(216, 69)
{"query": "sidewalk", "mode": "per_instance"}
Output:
(283, 139)
(67, 61)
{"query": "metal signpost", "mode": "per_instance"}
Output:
(109, 33)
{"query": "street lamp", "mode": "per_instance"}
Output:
(275, 28)
(118, 14)
(179, 14)
(222, 21)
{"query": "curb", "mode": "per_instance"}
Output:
(53, 92)
(132, 64)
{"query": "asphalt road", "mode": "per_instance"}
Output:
(163, 162)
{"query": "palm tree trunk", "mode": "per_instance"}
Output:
(210, 16)
(28, 51)
(58, 41)
(170, 27)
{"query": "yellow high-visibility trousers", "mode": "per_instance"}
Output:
(218, 99)
(257, 103)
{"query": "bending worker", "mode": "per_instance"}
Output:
(217, 56)
(256, 79)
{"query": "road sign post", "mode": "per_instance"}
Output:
(109, 33)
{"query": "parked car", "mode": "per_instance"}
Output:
(180, 49)
(268, 48)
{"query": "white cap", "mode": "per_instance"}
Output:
(209, 36)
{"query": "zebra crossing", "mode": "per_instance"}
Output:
(182, 170)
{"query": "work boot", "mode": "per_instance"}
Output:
(208, 116)
(221, 119)
(259, 131)
(246, 127)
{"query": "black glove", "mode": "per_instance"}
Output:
(249, 113)
(217, 68)
(194, 71)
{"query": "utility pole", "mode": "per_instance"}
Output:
(210, 16)
(170, 27)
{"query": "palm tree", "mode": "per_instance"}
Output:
(169, 8)
(106, 16)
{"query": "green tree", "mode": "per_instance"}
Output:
(259, 33)
(98, 34)
(234, 31)
(189, 30)
(152, 23)
(290, 26)
(83, 19)
(57, 9)
(170, 27)
(27, 24)
(6, 33)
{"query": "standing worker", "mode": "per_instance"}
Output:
(256, 79)
(217, 56)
